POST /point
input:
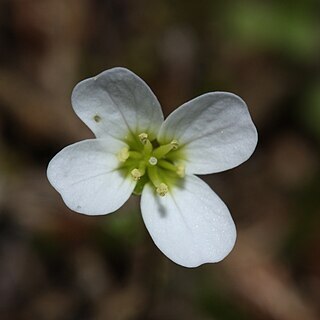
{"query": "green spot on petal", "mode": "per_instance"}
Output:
(97, 118)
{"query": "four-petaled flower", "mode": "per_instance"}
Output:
(136, 151)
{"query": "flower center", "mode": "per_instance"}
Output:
(148, 161)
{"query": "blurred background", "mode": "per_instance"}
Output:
(59, 265)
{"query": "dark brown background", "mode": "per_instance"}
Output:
(59, 265)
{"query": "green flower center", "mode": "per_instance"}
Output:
(148, 161)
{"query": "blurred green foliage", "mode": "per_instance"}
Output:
(310, 109)
(285, 27)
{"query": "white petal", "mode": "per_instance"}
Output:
(216, 129)
(191, 226)
(86, 176)
(117, 102)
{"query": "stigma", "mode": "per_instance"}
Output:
(153, 161)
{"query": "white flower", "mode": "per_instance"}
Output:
(136, 151)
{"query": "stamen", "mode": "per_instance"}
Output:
(153, 175)
(167, 165)
(135, 155)
(178, 169)
(136, 174)
(123, 155)
(147, 148)
(162, 189)
(147, 145)
(165, 149)
(153, 161)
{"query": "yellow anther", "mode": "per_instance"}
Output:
(136, 174)
(174, 144)
(123, 155)
(162, 189)
(153, 161)
(181, 170)
(143, 137)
